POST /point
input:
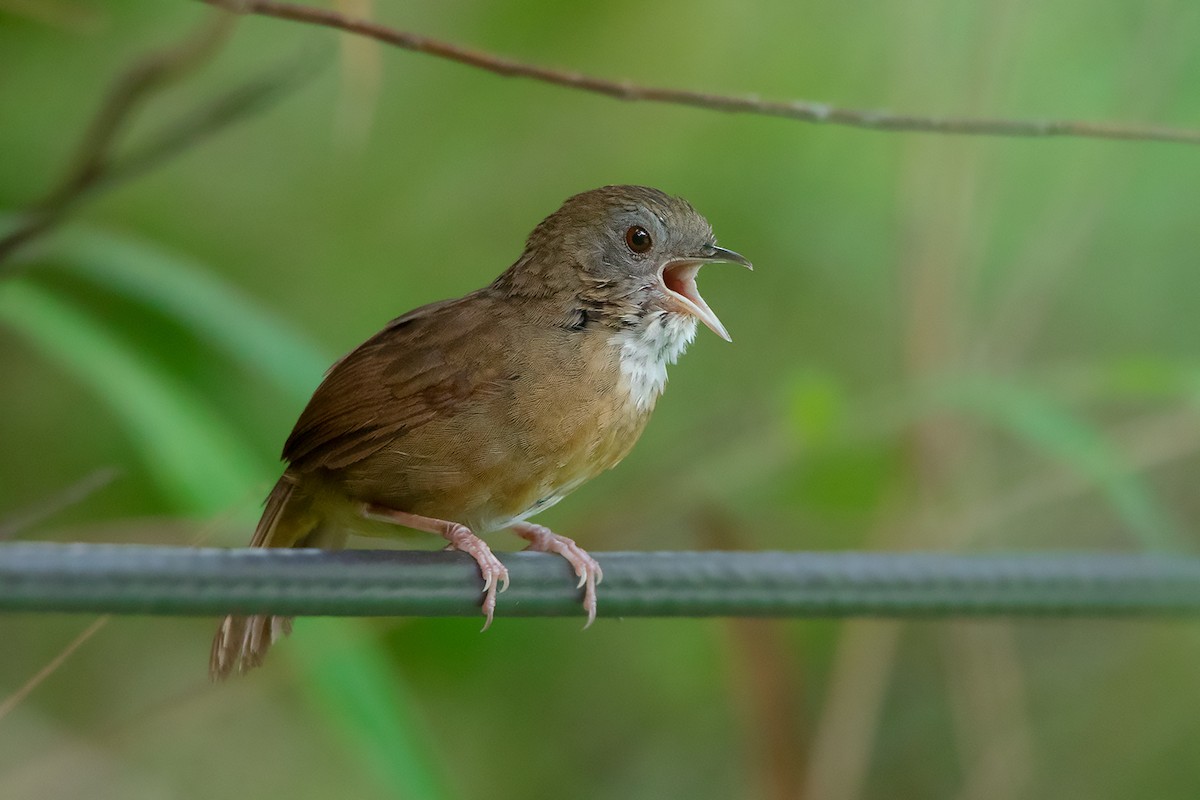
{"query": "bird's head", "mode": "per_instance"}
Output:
(629, 253)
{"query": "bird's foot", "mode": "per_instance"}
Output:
(495, 574)
(460, 537)
(544, 540)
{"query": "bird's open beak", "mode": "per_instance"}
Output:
(679, 279)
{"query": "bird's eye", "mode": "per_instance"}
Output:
(638, 240)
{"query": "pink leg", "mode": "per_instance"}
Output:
(495, 574)
(544, 540)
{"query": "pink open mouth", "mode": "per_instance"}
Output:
(679, 279)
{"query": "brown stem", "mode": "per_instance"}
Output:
(804, 110)
(97, 167)
(93, 160)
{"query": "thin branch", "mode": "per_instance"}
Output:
(130, 91)
(239, 102)
(60, 501)
(92, 161)
(97, 167)
(7, 704)
(803, 110)
(133, 579)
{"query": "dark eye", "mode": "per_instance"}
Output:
(638, 240)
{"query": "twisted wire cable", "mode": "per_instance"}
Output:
(134, 579)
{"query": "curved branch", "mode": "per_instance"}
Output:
(92, 162)
(134, 579)
(97, 165)
(804, 110)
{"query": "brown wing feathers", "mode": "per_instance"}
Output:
(397, 381)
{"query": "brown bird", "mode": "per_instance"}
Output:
(472, 415)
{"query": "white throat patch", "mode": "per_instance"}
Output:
(646, 351)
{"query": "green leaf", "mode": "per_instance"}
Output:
(818, 406)
(1144, 377)
(349, 677)
(197, 461)
(346, 673)
(183, 290)
(1035, 418)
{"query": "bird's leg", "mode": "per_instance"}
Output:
(544, 540)
(460, 537)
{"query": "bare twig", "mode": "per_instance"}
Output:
(7, 704)
(93, 158)
(766, 682)
(97, 167)
(65, 15)
(10, 702)
(239, 102)
(804, 110)
(63, 499)
(131, 89)
(844, 739)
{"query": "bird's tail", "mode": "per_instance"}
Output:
(288, 520)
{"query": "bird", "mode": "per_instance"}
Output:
(471, 415)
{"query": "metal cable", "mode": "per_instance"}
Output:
(133, 579)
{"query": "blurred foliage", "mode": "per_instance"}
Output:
(947, 343)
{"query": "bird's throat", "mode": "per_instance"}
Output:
(646, 350)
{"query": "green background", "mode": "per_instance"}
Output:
(948, 343)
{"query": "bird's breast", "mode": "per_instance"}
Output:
(614, 384)
(566, 407)
(585, 415)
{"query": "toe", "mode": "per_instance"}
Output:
(489, 609)
(589, 604)
(494, 576)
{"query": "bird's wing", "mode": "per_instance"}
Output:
(422, 366)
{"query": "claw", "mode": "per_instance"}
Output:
(589, 572)
(489, 607)
(589, 603)
(459, 537)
